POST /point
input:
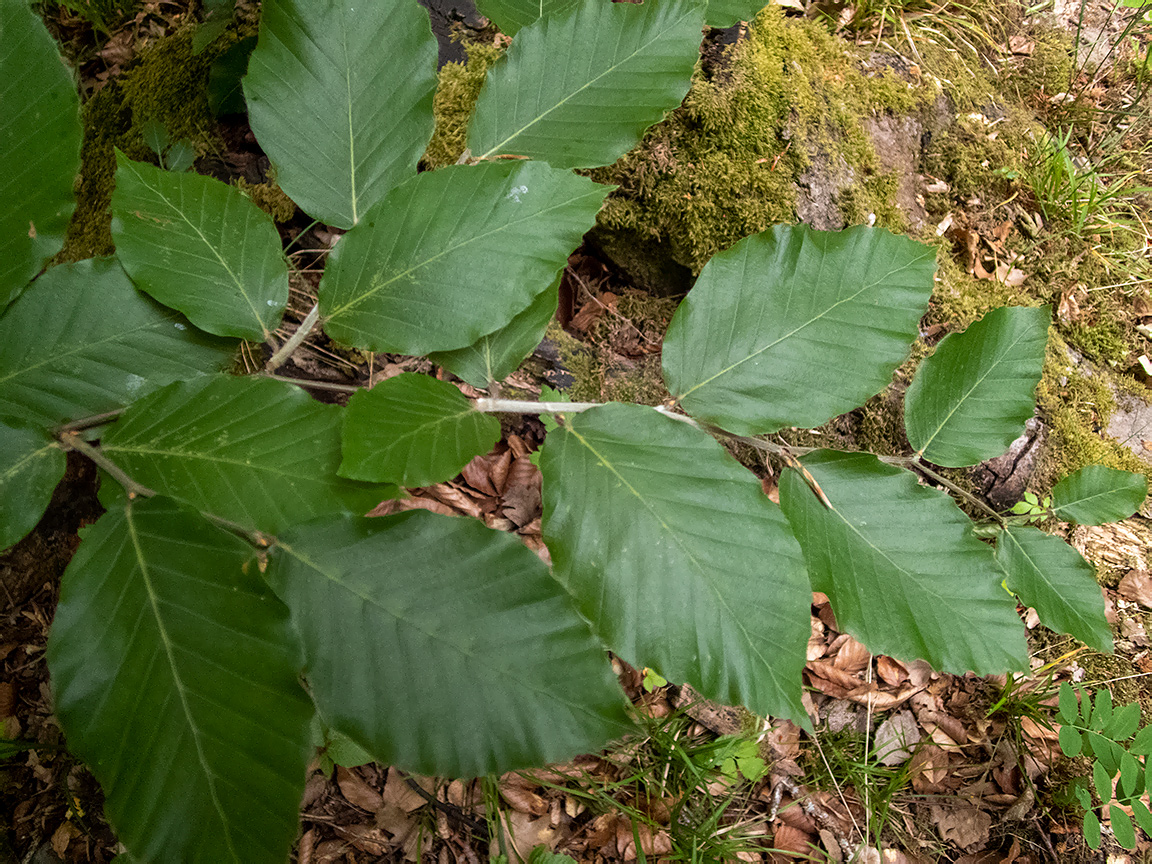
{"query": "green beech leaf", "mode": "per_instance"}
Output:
(726, 13)
(454, 255)
(511, 15)
(676, 556)
(40, 144)
(567, 90)
(901, 567)
(199, 246)
(1048, 574)
(494, 357)
(174, 669)
(414, 431)
(1097, 494)
(31, 464)
(259, 452)
(793, 326)
(410, 619)
(82, 340)
(971, 398)
(339, 95)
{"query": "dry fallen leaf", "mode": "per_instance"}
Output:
(1135, 586)
(964, 825)
(356, 791)
(896, 738)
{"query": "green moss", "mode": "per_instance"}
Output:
(1047, 71)
(167, 84)
(724, 165)
(960, 298)
(976, 159)
(1102, 340)
(456, 95)
(873, 202)
(601, 372)
(1076, 408)
(583, 364)
(269, 197)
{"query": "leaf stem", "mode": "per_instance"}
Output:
(72, 441)
(295, 341)
(88, 422)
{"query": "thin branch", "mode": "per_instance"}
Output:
(914, 463)
(72, 441)
(256, 538)
(489, 405)
(302, 333)
(316, 385)
(88, 422)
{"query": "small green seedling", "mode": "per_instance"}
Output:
(739, 757)
(177, 156)
(1118, 770)
(1032, 507)
(652, 678)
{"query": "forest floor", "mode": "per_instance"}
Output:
(906, 764)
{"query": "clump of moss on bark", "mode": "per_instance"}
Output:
(166, 83)
(456, 94)
(269, 197)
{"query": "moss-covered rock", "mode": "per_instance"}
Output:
(779, 128)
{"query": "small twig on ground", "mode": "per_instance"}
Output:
(821, 816)
(610, 310)
(476, 826)
(302, 332)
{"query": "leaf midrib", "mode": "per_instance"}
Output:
(181, 689)
(448, 250)
(827, 311)
(964, 398)
(17, 467)
(113, 447)
(710, 583)
(1039, 571)
(55, 357)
